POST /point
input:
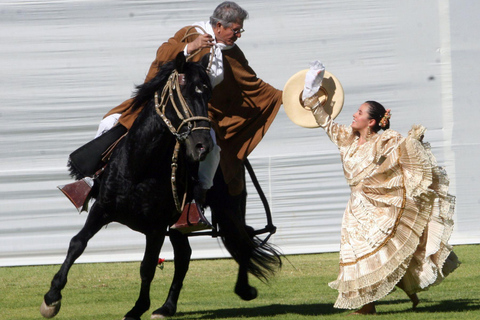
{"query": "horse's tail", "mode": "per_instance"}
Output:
(265, 259)
(260, 258)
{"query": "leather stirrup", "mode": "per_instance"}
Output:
(191, 219)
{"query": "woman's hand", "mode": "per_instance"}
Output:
(313, 79)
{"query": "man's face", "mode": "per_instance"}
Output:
(228, 35)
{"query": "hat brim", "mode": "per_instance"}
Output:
(331, 97)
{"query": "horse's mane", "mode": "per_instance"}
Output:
(145, 126)
(145, 92)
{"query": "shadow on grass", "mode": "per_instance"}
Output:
(262, 311)
(428, 306)
(459, 305)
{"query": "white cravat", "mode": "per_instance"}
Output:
(216, 69)
(208, 167)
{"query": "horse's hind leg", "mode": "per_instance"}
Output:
(238, 240)
(181, 253)
(242, 288)
(229, 212)
(253, 256)
(147, 272)
(95, 221)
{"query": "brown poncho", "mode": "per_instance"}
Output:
(242, 107)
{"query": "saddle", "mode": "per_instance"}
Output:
(87, 163)
(87, 160)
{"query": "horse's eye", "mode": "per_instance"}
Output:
(198, 90)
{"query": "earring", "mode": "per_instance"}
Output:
(369, 133)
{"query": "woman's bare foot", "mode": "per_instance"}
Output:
(414, 299)
(366, 309)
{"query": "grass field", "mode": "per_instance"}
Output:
(299, 291)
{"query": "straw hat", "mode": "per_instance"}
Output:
(331, 97)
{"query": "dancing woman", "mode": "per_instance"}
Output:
(398, 219)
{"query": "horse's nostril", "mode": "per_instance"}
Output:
(200, 147)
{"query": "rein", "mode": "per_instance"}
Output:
(212, 50)
(185, 114)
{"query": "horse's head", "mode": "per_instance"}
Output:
(196, 91)
(183, 105)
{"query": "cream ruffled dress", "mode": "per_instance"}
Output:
(399, 217)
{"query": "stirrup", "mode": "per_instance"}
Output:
(191, 219)
(79, 193)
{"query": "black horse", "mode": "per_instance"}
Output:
(253, 255)
(136, 188)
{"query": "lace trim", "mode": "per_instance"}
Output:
(427, 207)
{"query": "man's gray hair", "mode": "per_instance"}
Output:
(228, 12)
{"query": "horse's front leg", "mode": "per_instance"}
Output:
(52, 299)
(147, 272)
(181, 255)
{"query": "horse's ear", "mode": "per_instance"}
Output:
(180, 62)
(205, 60)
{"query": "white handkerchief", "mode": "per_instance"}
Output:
(216, 69)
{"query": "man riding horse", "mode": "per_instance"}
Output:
(242, 107)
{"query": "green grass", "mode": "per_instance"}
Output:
(299, 291)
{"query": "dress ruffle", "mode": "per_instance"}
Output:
(397, 223)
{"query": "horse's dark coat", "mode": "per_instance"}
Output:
(135, 190)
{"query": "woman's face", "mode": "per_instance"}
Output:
(361, 118)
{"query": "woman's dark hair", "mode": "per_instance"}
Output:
(376, 112)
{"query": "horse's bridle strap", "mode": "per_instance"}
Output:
(186, 116)
(173, 85)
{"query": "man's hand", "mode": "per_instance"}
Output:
(202, 41)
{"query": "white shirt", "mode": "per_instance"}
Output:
(216, 69)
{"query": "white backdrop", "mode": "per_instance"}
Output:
(64, 64)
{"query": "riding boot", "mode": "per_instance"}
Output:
(200, 195)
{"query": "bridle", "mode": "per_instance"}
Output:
(174, 83)
(173, 87)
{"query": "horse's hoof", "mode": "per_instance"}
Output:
(247, 295)
(163, 313)
(50, 311)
